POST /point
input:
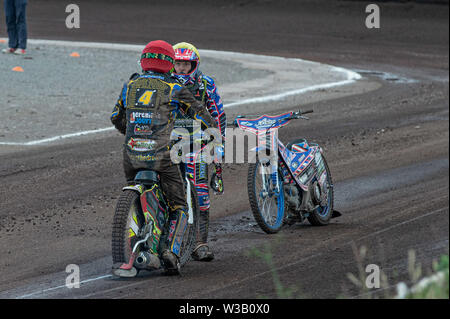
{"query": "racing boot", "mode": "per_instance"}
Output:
(202, 252)
(178, 220)
(171, 263)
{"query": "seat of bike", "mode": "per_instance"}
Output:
(299, 145)
(146, 176)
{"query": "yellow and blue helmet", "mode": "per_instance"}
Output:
(187, 52)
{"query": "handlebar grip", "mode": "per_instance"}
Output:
(306, 112)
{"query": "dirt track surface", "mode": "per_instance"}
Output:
(387, 150)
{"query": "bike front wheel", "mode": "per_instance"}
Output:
(265, 192)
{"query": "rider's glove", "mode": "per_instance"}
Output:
(216, 180)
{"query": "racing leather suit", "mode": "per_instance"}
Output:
(144, 113)
(205, 91)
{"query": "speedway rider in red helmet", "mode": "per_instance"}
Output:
(187, 71)
(144, 113)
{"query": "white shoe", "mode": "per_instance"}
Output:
(9, 50)
(20, 52)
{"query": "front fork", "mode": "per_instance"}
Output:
(189, 201)
(267, 177)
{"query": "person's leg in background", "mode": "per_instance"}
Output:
(21, 24)
(10, 12)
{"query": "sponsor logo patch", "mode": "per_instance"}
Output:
(141, 118)
(141, 145)
(142, 130)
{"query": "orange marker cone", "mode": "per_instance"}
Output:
(18, 69)
(75, 55)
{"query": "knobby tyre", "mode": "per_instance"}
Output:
(128, 211)
(190, 236)
(321, 216)
(268, 212)
(122, 243)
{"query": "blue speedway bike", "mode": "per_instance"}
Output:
(287, 184)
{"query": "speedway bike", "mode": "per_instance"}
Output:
(286, 184)
(138, 207)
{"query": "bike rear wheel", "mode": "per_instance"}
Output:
(321, 215)
(266, 199)
(128, 220)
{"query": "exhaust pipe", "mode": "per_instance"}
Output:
(145, 260)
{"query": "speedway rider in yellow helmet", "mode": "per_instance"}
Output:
(187, 71)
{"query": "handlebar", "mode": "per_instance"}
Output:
(299, 114)
(295, 115)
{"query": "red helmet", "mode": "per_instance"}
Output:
(157, 56)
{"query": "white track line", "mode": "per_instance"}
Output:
(351, 77)
(277, 97)
(59, 137)
(62, 286)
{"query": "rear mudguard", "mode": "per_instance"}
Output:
(138, 188)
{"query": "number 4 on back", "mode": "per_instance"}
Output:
(145, 97)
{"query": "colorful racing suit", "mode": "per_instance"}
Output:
(145, 113)
(205, 90)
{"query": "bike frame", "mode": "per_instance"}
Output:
(297, 161)
(142, 188)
